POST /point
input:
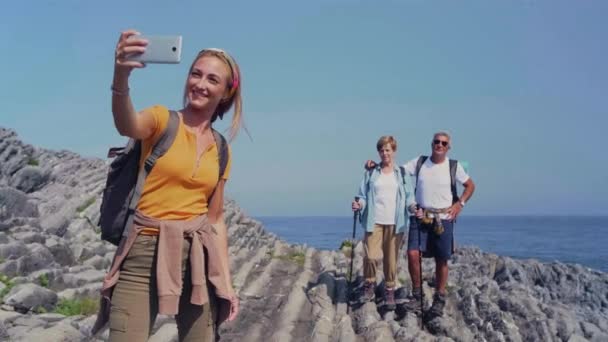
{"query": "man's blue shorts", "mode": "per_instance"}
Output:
(439, 246)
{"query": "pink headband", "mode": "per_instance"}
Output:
(232, 64)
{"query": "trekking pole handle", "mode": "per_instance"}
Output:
(355, 214)
(357, 200)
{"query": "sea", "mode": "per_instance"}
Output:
(569, 239)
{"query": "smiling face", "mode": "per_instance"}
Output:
(440, 144)
(207, 83)
(386, 154)
(386, 147)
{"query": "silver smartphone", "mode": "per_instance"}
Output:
(160, 49)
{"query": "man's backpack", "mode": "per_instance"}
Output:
(453, 166)
(125, 179)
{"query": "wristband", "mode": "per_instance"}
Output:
(119, 92)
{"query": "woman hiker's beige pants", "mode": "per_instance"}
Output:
(382, 240)
(135, 301)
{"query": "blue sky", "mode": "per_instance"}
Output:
(521, 85)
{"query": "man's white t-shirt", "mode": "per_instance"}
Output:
(434, 184)
(385, 192)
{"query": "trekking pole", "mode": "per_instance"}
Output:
(352, 254)
(420, 268)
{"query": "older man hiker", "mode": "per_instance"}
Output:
(431, 230)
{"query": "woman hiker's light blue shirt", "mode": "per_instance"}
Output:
(405, 198)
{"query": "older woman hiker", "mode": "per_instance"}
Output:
(384, 195)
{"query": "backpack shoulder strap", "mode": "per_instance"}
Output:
(161, 146)
(402, 170)
(164, 142)
(222, 151)
(419, 164)
(370, 171)
(453, 167)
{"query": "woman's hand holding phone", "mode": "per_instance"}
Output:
(122, 65)
(128, 46)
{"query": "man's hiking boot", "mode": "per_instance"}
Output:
(389, 298)
(369, 292)
(438, 305)
(412, 303)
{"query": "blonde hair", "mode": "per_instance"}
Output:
(234, 86)
(384, 140)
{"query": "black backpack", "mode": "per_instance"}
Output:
(125, 179)
(453, 166)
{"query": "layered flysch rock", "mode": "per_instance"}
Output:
(52, 260)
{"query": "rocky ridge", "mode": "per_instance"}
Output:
(52, 262)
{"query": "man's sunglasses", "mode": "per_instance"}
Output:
(442, 142)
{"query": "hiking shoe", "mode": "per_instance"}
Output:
(438, 305)
(389, 298)
(369, 292)
(412, 302)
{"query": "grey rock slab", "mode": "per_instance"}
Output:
(87, 291)
(166, 333)
(447, 326)
(29, 237)
(4, 336)
(4, 238)
(30, 321)
(15, 203)
(98, 262)
(30, 178)
(85, 325)
(39, 257)
(379, 331)
(365, 317)
(593, 332)
(26, 297)
(13, 250)
(61, 251)
(7, 317)
(577, 338)
(82, 278)
(344, 331)
(79, 268)
(7, 307)
(51, 317)
(9, 268)
(61, 332)
(21, 333)
(56, 224)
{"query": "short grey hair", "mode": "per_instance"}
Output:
(443, 134)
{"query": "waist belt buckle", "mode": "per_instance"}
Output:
(427, 218)
(438, 228)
